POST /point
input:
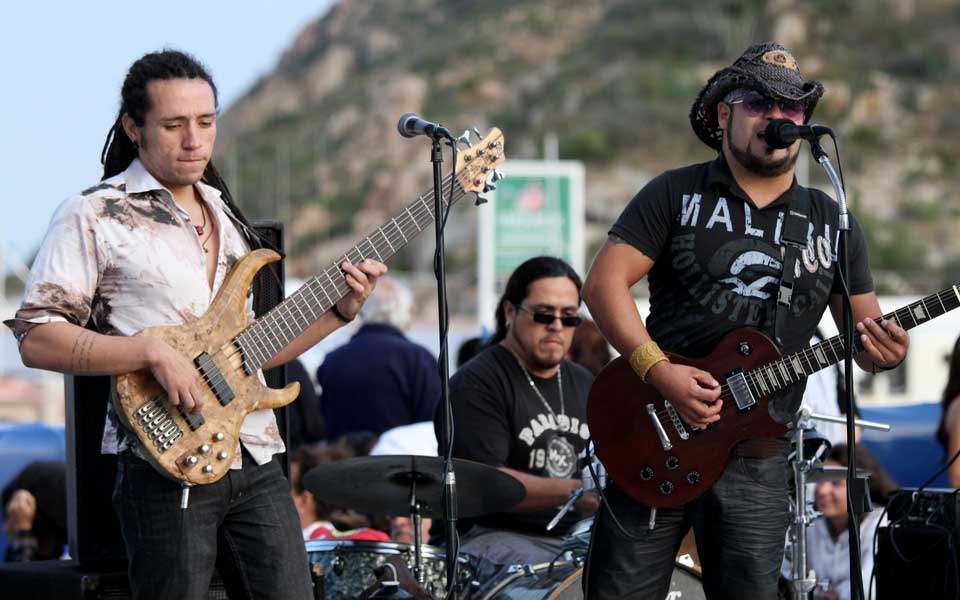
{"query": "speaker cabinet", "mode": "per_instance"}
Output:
(917, 561)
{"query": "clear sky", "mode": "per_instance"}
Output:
(63, 63)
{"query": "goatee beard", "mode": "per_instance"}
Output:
(756, 165)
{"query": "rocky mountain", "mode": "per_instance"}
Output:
(314, 142)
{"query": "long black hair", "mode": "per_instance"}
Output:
(950, 394)
(518, 286)
(119, 150)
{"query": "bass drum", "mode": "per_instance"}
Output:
(562, 581)
(345, 568)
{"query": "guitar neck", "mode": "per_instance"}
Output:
(792, 368)
(266, 336)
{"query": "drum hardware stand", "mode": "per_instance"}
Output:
(415, 516)
(802, 580)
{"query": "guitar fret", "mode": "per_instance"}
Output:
(332, 282)
(800, 371)
(783, 371)
(387, 240)
(956, 292)
(820, 356)
(764, 387)
(399, 230)
(323, 289)
(306, 321)
(375, 251)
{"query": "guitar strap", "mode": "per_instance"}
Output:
(793, 241)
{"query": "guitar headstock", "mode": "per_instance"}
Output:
(478, 162)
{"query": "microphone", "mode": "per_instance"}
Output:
(410, 125)
(782, 133)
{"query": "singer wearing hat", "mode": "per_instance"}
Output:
(713, 240)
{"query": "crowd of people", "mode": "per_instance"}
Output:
(152, 242)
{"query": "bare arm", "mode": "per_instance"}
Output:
(68, 348)
(616, 268)
(885, 344)
(545, 493)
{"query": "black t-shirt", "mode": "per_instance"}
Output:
(717, 262)
(500, 421)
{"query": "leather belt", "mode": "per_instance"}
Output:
(761, 448)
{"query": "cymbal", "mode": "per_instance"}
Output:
(832, 473)
(383, 484)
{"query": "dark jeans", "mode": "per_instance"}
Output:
(245, 524)
(739, 524)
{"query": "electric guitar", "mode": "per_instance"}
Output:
(659, 459)
(228, 350)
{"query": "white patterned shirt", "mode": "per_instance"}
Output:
(124, 254)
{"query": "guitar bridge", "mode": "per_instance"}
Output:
(741, 391)
(677, 421)
(155, 420)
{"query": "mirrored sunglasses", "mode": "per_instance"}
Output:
(757, 105)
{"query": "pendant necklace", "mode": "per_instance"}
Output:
(536, 390)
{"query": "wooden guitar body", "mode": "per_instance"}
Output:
(165, 433)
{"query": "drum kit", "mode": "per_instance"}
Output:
(393, 485)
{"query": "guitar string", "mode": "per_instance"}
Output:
(408, 216)
(754, 376)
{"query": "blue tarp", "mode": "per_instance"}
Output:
(909, 451)
(20, 445)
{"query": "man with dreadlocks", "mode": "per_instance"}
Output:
(710, 237)
(151, 245)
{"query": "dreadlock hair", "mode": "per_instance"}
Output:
(119, 150)
(518, 286)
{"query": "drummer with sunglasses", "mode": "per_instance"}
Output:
(521, 407)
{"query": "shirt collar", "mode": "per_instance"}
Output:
(139, 180)
(720, 176)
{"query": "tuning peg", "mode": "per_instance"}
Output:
(497, 175)
(488, 187)
(481, 199)
(476, 132)
(465, 139)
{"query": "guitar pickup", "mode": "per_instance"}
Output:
(214, 378)
(194, 420)
(741, 391)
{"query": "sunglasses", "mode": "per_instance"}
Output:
(757, 105)
(548, 318)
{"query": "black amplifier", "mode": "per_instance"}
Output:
(931, 506)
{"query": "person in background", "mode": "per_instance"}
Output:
(589, 347)
(306, 418)
(827, 541)
(319, 520)
(468, 349)
(35, 512)
(948, 433)
(379, 379)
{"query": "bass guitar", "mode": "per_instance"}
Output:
(659, 459)
(228, 350)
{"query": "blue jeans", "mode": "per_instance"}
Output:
(245, 524)
(739, 524)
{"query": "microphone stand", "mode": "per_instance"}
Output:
(843, 264)
(450, 480)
